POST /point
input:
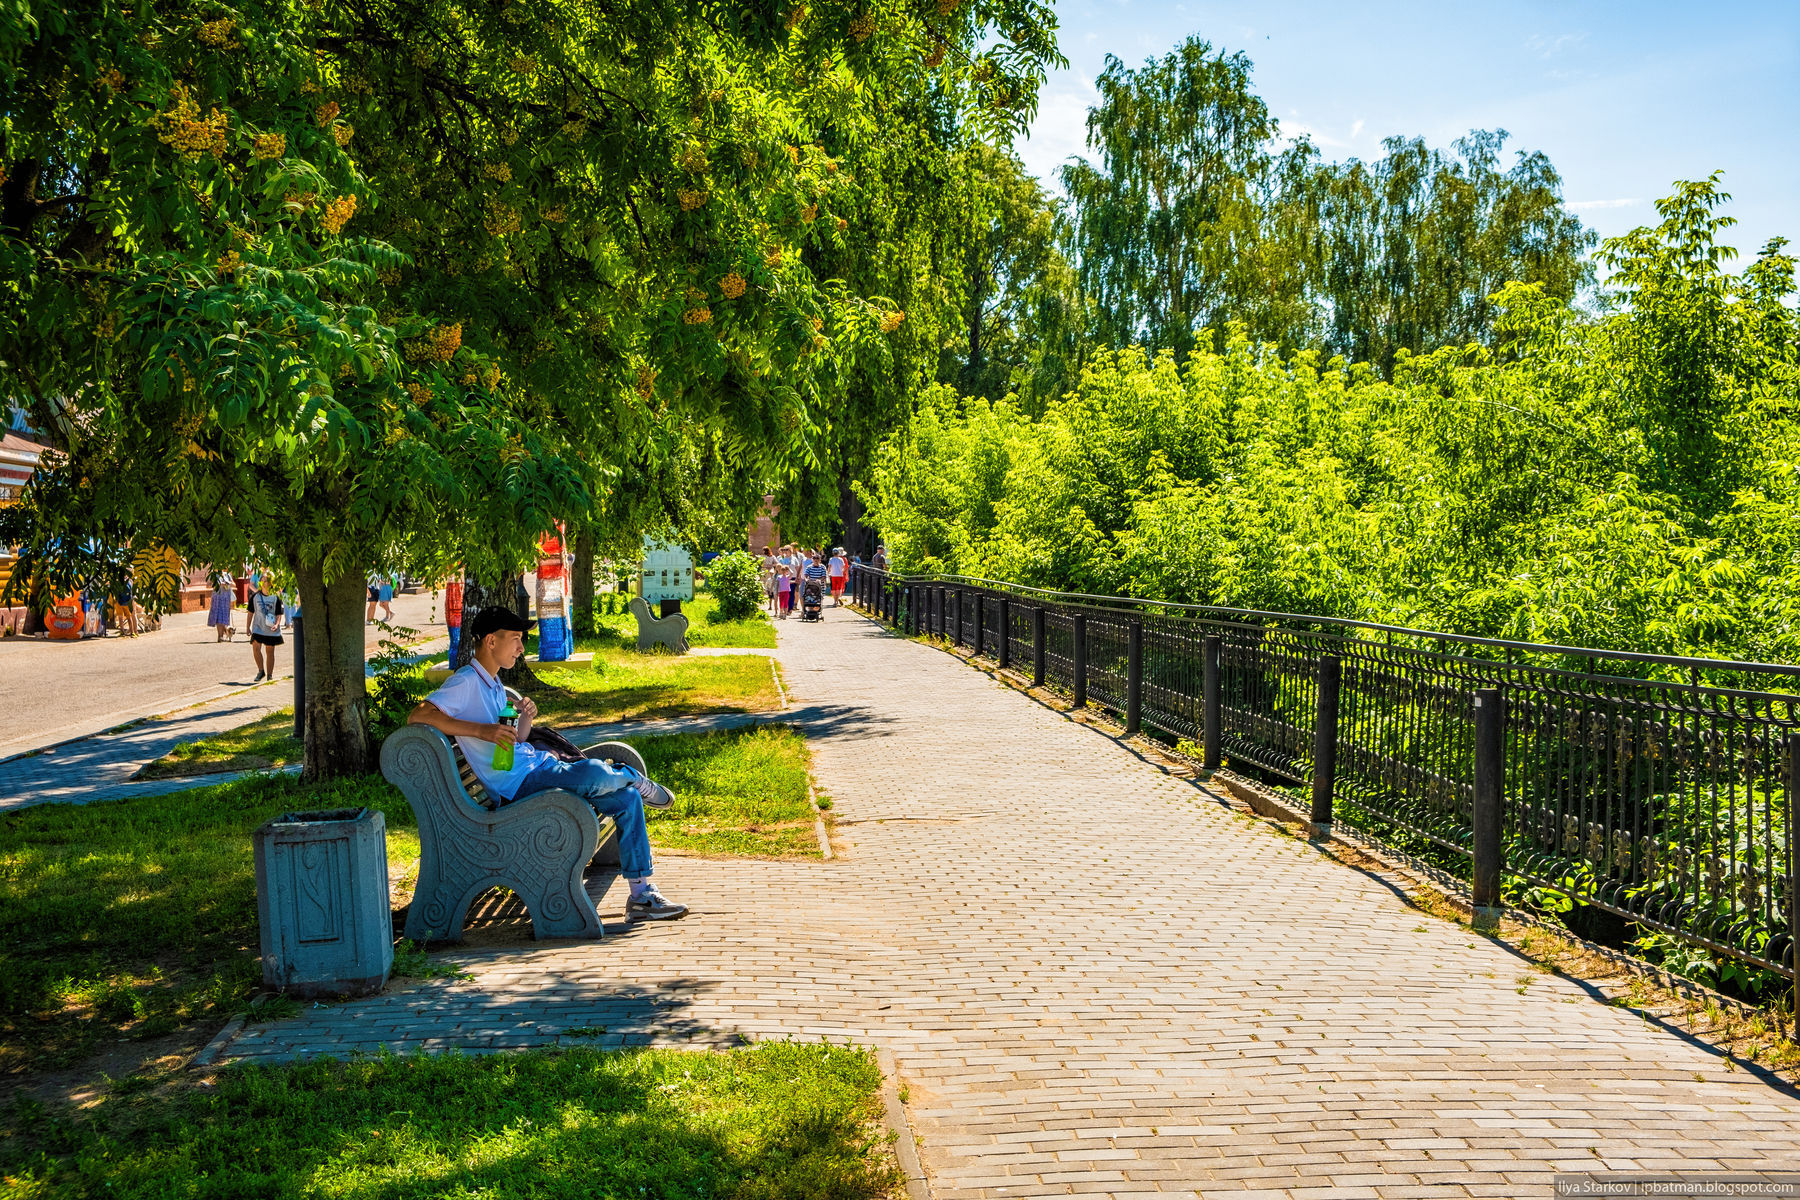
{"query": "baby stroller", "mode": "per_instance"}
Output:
(812, 601)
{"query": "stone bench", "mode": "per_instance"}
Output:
(539, 848)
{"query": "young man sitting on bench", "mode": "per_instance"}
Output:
(467, 708)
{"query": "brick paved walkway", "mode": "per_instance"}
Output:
(1096, 980)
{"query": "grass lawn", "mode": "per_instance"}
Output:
(624, 685)
(737, 791)
(257, 746)
(704, 629)
(779, 1119)
(137, 917)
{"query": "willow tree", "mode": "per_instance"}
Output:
(1165, 230)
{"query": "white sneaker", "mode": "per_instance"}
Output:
(651, 905)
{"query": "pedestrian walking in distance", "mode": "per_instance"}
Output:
(219, 614)
(264, 626)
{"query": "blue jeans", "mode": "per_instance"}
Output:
(605, 788)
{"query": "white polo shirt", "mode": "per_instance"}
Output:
(471, 694)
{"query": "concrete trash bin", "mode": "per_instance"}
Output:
(322, 899)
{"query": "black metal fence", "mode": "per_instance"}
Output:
(1663, 790)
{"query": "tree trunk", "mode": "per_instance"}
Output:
(858, 538)
(581, 615)
(480, 595)
(337, 740)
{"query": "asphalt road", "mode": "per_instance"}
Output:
(52, 691)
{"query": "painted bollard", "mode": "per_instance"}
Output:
(322, 900)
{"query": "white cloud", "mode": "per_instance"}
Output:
(1586, 205)
(1548, 47)
(1356, 129)
(1060, 130)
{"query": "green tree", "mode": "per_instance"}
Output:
(1164, 230)
(576, 227)
(1412, 247)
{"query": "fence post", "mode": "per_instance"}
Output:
(909, 623)
(956, 617)
(1793, 872)
(980, 623)
(1080, 660)
(1134, 679)
(1037, 646)
(1325, 728)
(1490, 790)
(1211, 711)
(1005, 632)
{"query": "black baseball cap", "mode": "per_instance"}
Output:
(493, 619)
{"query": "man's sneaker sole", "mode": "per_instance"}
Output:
(652, 793)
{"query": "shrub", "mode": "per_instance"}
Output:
(736, 583)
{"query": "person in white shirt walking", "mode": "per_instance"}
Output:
(840, 570)
(263, 623)
(467, 708)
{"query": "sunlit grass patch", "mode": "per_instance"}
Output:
(737, 791)
(704, 629)
(269, 742)
(774, 1119)
(625, 685)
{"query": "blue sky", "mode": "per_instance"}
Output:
(1623, 97)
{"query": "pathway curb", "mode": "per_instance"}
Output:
(905, 1148)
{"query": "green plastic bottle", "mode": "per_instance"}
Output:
(503, 751)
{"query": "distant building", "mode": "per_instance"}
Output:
(763, 530)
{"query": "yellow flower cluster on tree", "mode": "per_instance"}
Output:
(229, 262)
(890, 321)
(693, 160)
(750, 158)
(555, 214)
(499, 170)
(420, 394)
(842, 224)
(217, 34)
(185, 129)
(269, 145)
(795, 15)
(337, 213)
(817, 323)
(646, 382)
(936, 57)
(862, 26)
(501, 219)
(946, 7)
(487, 377)
(809, 213)
(113, 80)
(524, 65)
(732, 285)
(794, 155)
(697, 316)
(326, 113)
(690, 199)
(439, 345)
(575, 129)
(343, 133)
